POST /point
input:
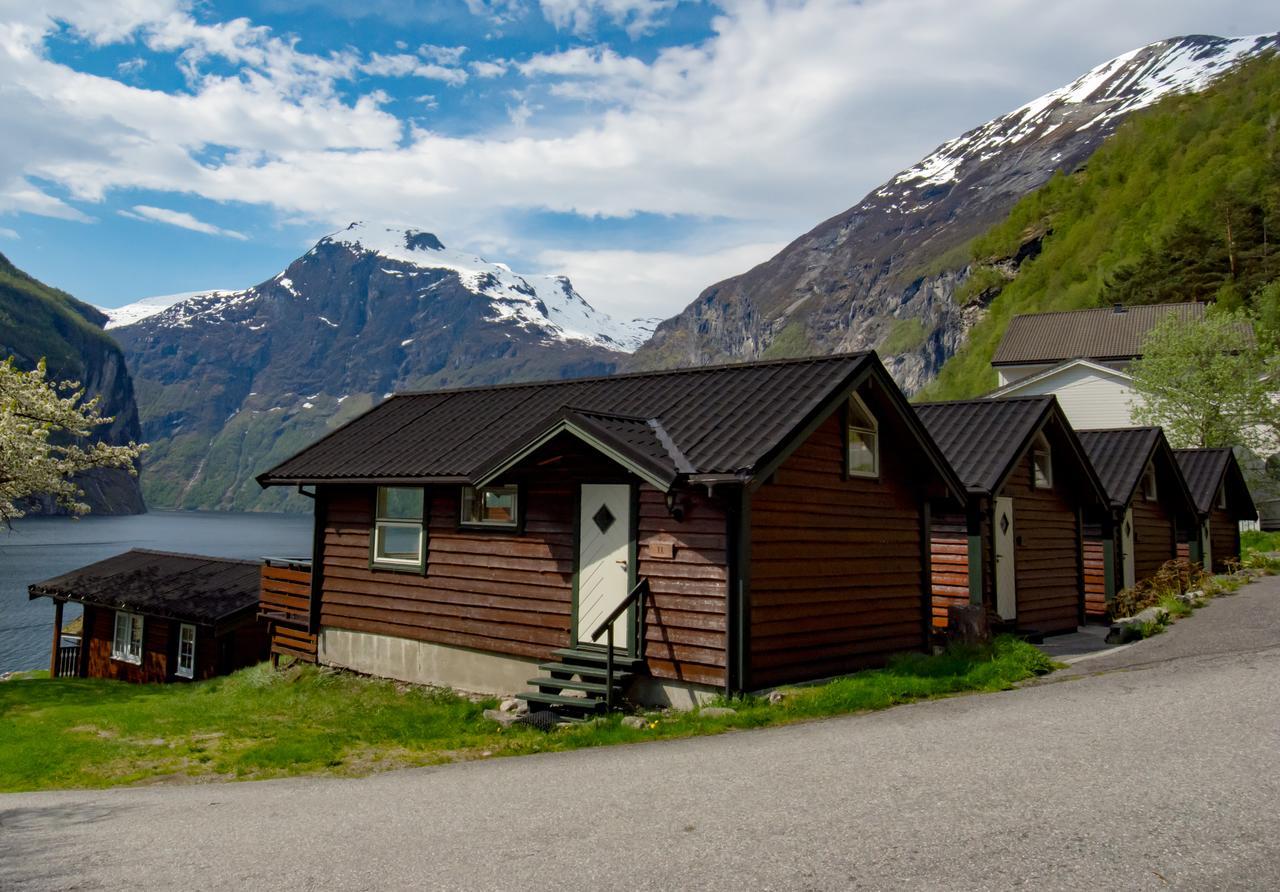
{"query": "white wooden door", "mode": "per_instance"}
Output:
(1006, 579)
(1126, 545)
(604, 539)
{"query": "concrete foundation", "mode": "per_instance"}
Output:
(422, 662)
(658, 692)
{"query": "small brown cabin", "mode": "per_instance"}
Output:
(1016, 547)
(1153, 515)
(734, 527)
(1222, 500)
(154, 616)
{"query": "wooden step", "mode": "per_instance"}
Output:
(597, 659)
(591, 687)
(552, 701)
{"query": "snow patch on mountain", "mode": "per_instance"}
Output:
(548, 303)
(150, 306)
(1122, 85)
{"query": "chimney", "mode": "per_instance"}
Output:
(1119, 308)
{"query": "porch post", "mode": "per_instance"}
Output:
(57, 637)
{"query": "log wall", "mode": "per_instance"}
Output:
(1154, 536)
(1224, 539)
(837, 566)
(949, 564)
(1047, 552)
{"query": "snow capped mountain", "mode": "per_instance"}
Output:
(546, 302)
(149, 306)
(1095, 100)
(884, 274)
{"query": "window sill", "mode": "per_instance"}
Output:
(472, 526)
(130, 660)
(862, 475)
(416, 569)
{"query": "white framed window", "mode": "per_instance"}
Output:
(1149, 491)
(186, 651)
(126, 644)
(491, 506)
(862, 456)
(1042, 462)
(399, 537)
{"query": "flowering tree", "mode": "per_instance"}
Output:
(44, 431)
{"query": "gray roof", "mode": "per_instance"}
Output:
(188, 587)
(1205, 470)
(1107, 333)
(715, 420)
(982, 438)
(1120, 456)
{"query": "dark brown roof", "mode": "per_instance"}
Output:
(715, 420)
(983, 438)
(1120, 456)
(1205, 471)
(1105, 333)
(159, 583)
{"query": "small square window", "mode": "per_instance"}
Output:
(1222, 497)
(863, 456)
(399, 534)
(126, 645)
(491, 506)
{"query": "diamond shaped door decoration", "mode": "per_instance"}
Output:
(1004, 524)
(603, 518)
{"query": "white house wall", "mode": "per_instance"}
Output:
(1089, 400)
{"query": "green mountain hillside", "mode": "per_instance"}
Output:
(39, 321)
(1181, 203)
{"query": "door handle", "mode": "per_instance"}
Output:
(623, 564)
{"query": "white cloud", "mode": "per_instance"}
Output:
(581, 17)
(644, 284)
(787, 114)
(8, 233)
(489, 68)
(180, 219)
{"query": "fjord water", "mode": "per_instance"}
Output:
(37, 548)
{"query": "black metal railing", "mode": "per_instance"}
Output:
(636, 596)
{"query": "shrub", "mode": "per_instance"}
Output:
(1176, 577)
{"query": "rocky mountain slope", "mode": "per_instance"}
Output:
(38, 321)
(231, 382)
(889, 273)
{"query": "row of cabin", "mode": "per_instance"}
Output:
(724, 529)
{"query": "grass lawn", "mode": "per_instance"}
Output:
(259, 723)
(1252, 541)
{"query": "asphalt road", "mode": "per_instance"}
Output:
(1152, 768)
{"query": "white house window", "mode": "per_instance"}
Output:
(1042, 463)
(398, 534)
(186, 651)
(126, 645)
(1149, 484)
(491, 506)
(863, 456)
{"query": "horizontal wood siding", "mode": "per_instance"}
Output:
(1095, 577)
(948, 564)
(1153, 536)
(1224, 539)
(837, 571)
(505, 593)
(98, 631)
(1047, 552)
(685, 616)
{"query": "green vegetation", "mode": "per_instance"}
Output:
(1258, 542)
(791, 342)
(1181, 203)
(39, 321)
(904, 335)
(260, 723)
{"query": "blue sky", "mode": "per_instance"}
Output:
(646, 148)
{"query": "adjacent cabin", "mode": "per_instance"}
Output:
(724, 528)
(1016, 547)
(1153, 516)
(1082, 357)
(154, 616)
(1222, 501)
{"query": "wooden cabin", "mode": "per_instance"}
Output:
(1153, 515)
(154, 616)
(1222, 501)
(734, 528)
(1016, 546)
